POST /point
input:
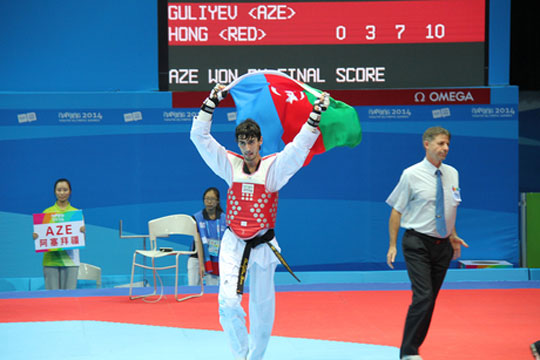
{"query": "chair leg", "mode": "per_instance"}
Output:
(132, 272)
(176, 279)
(190, 296)
(131, 283)
(154, 274)
(154, 271)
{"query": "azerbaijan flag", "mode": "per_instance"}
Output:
(281, 105)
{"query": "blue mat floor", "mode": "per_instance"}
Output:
(90, 340)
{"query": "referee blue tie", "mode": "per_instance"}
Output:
(439, 206)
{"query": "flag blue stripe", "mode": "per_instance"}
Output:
(253, 100)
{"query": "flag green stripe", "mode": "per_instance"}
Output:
(339, 124)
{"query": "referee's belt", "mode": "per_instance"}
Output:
(251, 244)
(428, 237)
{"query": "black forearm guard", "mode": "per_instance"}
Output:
(207, 105)
(314, 118)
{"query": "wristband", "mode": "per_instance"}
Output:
(214, 100)
(314, 118)
(207, 109)
(206, 106)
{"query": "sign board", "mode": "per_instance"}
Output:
(58, 231)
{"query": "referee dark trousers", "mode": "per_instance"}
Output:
(427, 260)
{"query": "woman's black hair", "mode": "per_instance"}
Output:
(62, 180)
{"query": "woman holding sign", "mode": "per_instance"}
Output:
(61, 267)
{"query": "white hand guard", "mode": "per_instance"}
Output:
(322, 103)
(212, 101)
(319, 106)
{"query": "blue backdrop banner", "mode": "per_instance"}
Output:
(135, 164)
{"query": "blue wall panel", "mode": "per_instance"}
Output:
(331, 216)
(64, 45)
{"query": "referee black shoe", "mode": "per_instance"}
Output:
(535, 348)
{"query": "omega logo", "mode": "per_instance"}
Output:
(444, 96)
(419, 97)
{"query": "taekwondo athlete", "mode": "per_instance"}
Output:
(249, 244)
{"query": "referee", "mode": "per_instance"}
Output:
(425, 202)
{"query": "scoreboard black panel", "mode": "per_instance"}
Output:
(327, 44)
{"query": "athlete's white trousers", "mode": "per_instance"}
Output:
(261, 269)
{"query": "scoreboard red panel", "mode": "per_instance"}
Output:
(325, 23)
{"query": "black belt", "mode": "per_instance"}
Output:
(428, 237)
(251, 244)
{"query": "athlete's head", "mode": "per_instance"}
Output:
(248, 129)
(249, 139)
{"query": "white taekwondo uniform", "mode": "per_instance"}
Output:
(274, 172)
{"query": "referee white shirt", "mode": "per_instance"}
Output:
(414, 197)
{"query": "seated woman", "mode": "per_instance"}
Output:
(211, 224)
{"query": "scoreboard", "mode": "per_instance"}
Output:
(327, 44)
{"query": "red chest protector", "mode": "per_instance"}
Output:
(250, 207)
